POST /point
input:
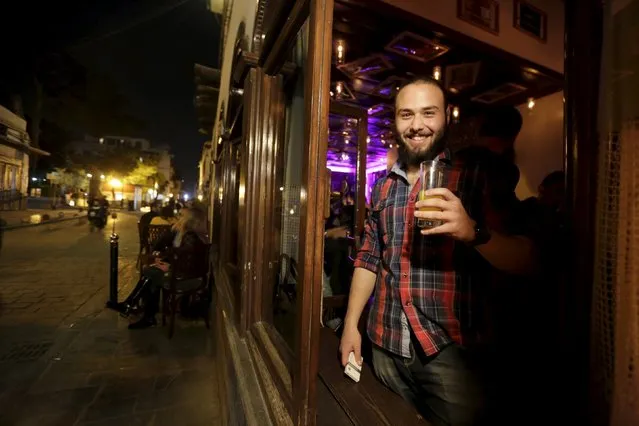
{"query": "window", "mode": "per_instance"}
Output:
(216, 204)
(287, 203)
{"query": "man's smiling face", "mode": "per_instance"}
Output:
(420, 120)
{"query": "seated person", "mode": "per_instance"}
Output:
(188, 233)
(166, 217)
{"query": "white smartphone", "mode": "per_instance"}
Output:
(353, 369)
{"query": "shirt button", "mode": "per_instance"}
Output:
(408, 303)
(405, 275)
(412, 198)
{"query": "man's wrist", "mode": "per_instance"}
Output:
(469, 237)
(481, 235)
(350, 323)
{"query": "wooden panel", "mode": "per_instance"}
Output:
(279, 401)
(253, 194)
(278, 42)
(582, 65)
(367, 402)
(246, 200)
(273, 146)
(329, 412)
(279, 368)
(272, 120)
(275, 15)
(317, 85)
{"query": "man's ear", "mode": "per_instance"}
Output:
(448, 114)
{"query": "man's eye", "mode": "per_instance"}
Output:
(430, 114)
(406, 115)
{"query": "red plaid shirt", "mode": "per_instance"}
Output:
(427, 278)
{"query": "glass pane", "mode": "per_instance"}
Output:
(234, 188)
(341, 223)
(287, 200)
(216, 202)
(377, 156)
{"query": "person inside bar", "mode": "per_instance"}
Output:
(421, 320)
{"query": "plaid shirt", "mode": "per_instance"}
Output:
(422, 281)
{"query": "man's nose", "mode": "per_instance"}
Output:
(417, 123)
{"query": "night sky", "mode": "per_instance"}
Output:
(151, 57)
(147, 46)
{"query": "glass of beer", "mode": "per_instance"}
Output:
(431, 175)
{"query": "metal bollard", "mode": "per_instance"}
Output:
(113, 276)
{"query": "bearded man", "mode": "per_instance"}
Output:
(422, 321)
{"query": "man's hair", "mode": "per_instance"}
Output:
(501, 122)
(424, 80)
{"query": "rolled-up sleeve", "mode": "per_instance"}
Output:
(369, 253)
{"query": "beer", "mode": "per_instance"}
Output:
(427, 223)
(431, 175)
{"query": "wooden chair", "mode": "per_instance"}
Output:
(142, 238)
(188, 277)
(148, 237)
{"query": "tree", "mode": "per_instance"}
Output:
(144, 174)
(74, 180)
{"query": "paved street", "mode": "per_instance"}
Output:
(65, 360)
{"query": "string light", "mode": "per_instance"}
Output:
(531, 103)
(456, 112)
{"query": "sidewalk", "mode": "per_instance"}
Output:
(66, 360)
(16, 218)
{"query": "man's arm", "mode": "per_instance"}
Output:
(509, 253)
(362, 286)
(515, 254)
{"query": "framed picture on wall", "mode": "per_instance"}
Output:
(481, 13)
(530, 20)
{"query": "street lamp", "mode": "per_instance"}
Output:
(102, 177)
(89, 175)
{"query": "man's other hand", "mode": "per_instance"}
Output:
(351, 342)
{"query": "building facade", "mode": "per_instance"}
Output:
(102, 147)
(15, 148)
(305, 111)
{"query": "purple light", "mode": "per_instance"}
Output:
(341, 168)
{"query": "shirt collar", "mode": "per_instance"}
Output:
(400, 170)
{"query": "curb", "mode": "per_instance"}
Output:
(46, 222)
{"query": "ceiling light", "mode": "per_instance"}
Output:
(437, 72)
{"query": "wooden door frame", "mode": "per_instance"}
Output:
(317, 78)
(361, 115)
(583, 35)
(264, 121)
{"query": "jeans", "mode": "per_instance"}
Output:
(444, 387)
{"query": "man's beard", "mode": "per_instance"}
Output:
(411, 158)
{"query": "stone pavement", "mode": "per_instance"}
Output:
(65, 360)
